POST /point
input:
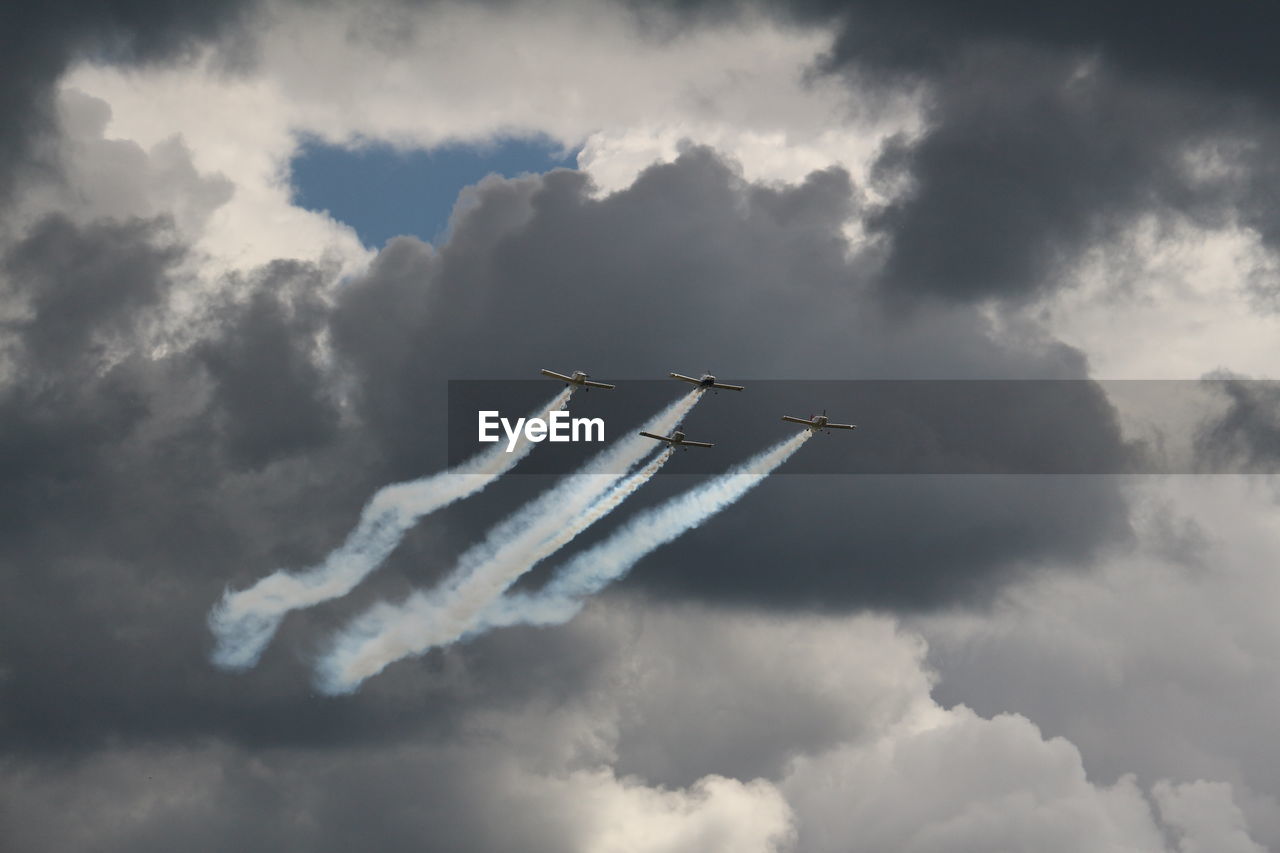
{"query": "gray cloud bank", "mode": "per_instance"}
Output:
(147, 469)
(152, 454)
(250, 447)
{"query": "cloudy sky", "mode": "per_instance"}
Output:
(245, 246)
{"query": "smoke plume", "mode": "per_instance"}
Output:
(244, 621)
(386, 633)
(594, 569)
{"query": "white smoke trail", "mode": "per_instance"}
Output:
(386, 633)
(597, 567)
(244, 622)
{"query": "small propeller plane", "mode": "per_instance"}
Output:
(676, 439)
(818, 422)
(578, 378)
(706, 381)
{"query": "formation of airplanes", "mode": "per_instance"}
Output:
(813, 423)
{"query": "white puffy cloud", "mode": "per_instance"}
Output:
(871, 761)
(1161, 661)
(1169, 301)
(1206, 816)
(105, 177)
(739, 693)
(1163, 300)
(837, 715)
(961, 784)
(608, 815)
(466, 796)
(628, 89)
(228, 197)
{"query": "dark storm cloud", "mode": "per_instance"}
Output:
(1223, 45)
(693, 268)
(140, 484)
(76, 294)
(209, 797)
(1031, 160)
(81, 284)
(271, 412)
(137, 484)
(1053, 129)
(39, 40)
(1246, 435)
(1050, 128)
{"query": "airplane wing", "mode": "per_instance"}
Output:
(684, 378)
(592, 384)
(658, 437)
(725, 387)
(842, 426)
(792, 420)
(695, 444)
(555, 375)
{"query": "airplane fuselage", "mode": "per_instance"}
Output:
(817, 423)
(676, 439)
(705, 381)
(578, 379)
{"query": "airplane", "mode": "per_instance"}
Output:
(677, 439)
(578, 378)
(706, 381)
(818, 422)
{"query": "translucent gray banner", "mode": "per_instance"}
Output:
(1042, 427)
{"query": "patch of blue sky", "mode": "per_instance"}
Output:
(383, 192)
